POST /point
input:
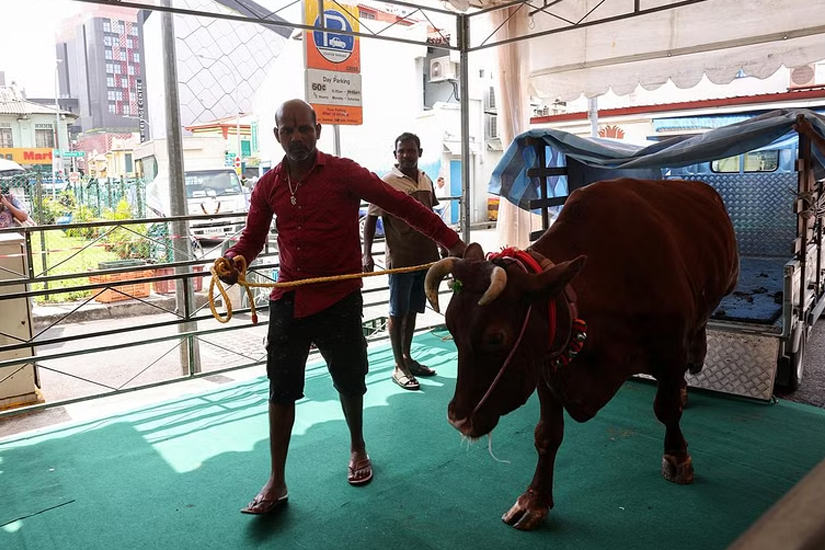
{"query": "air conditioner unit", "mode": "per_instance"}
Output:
(490, 100)
(492, 127)
(441, 69)
(803, 76)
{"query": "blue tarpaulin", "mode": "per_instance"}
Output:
(510, 180)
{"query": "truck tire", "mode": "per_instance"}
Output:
(796, 366)
(791, 364)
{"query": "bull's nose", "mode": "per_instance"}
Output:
(463, 425)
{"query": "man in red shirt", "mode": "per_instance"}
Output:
(315, 199)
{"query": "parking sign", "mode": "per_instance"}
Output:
(328, 50)
(333, 63)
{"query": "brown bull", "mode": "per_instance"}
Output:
(659, 256)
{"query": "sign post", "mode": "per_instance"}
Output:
(333, 64)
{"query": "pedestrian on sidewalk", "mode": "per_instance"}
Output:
(405, 247)
(315, 198)
(12, 211)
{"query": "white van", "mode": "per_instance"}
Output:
(215, 191)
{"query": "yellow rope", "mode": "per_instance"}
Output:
(223, 267)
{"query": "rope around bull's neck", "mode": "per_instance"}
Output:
(223, 267)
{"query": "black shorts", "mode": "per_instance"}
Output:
(336, 331)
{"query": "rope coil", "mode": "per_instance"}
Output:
(223, 268)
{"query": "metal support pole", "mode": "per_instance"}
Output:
(464, 85)
(41, 221)
(56, 129)
(336, 140)
(593, 115)
(238, 121)
(189, 352)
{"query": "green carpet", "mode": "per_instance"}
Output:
(174, 476)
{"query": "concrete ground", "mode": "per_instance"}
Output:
(128, 367)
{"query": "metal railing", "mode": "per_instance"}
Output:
(118, 317)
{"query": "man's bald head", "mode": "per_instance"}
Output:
(293, 108)
(297, 130)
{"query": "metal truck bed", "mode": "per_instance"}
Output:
(758, 294)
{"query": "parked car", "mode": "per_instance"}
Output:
(362, 220)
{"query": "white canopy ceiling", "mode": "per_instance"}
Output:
(714, 37)
(594, 45)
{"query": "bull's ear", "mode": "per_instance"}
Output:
(474, 252)
(558, 276)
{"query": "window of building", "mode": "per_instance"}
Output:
(134, 31)
(6, 139)
(130, 43)
(116, 68)
(122, 56)
(110, 81)
(136, 57)
(131, 69)
(112, 108)
(44, 137)
(128, 162)
(107, 54)
(119, 95)
(107, 40)
(107, 27)
(755, 161)
(110, 68)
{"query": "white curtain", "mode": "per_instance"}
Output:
(514, 224)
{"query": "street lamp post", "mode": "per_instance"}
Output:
(237, 100)
(56, 126)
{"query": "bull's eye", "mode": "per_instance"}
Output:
(494, 341)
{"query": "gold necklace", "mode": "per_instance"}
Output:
(292, 192)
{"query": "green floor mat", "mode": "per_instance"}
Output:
(173, 476)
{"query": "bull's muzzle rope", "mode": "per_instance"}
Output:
(222, 268)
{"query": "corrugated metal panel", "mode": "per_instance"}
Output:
(739, 364)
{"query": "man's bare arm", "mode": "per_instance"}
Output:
(369, 236)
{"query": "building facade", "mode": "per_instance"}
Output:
(30, 132)
(100, 66)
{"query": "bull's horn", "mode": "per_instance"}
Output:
(498, 280)
(435, 275)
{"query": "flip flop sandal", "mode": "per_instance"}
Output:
(406, 382)
(417, 369)
(264, 506)
(359, 466)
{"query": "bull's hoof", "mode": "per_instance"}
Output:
(680, 472)
(526, 514)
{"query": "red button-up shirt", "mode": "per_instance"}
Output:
(319, 235)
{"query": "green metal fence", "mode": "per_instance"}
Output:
(61, 201)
